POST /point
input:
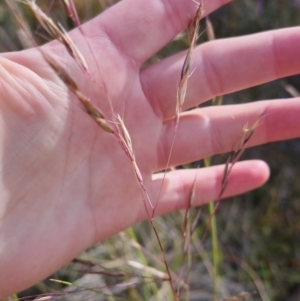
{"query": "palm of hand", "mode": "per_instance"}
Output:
(67, 184)
(73, 165)
(78, 185)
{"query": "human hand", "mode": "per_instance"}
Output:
(66, 184)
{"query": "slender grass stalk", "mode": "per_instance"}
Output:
(125, 142)
(216, 258)
(234, 157)
(154, 289)
(82, 288)
(120, 132)
(187, 233)
(257, 281)
(193, 29)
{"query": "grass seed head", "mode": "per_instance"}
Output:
(104, 125)
(94, 112)
(59, 33)
(74, 52)
(194, 25)
(70, 8)
(125, 133)
(91, 109)
(185, 71)
(45, 21)
(61, 72)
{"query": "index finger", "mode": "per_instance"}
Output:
(139, 28)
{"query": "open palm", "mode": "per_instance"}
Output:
(66, 183)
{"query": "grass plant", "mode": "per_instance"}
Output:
(158, 260)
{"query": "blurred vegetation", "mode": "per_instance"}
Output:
(259, 233)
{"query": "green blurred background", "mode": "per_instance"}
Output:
(258, 233)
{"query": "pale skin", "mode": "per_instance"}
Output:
(66, 184)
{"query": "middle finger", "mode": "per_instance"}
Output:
(221, 67)
(214, 130)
